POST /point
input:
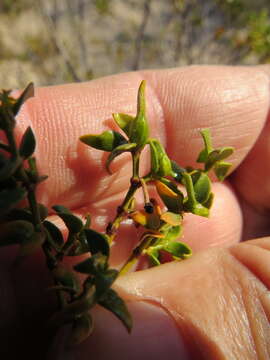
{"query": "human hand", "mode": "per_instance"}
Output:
(214, 305)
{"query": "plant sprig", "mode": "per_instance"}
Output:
(161, 216)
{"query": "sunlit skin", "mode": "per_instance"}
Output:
(215, 305)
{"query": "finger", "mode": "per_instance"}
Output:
(231, 101)
(181, 101)
(251, 179)
(213, 306)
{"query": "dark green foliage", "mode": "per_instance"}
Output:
(116, 305)
(72, 222)
(28, 143)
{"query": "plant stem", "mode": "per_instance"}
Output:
(136, 253)
(135, 184)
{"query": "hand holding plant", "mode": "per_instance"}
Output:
(162, 224)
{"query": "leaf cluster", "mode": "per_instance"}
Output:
(24, 222)
(162, 217)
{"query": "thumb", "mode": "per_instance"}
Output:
(215, 305)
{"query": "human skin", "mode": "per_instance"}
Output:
(215, 305)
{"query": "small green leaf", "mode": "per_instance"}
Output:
(28, 143)
(178, 250)
(202, 186)
(66, 277)
(123, 121)
(97, 242)
(216, 156)
(9, 198)
(139, 130)
(104, 281)
(171, 218)
(209, 201)
(92, 265)
(112, 302)
(160, 162)
(27, 94)
(203, 156)
(55, 233)
(153, 254)
(200, 210)
(118, 151)
(190, 202)
(154, 158)
(171, 199)
(15, 232)
(107, 141)
(72, 222)
(61, 209)
(221, 169)
(82, 327)
(173, 233)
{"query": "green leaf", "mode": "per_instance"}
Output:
(61, 209)
(153, 254)
(123, 121)
(217, 155)
(173, 233)
(154, 157)
(66, 277)
(15, 232)
(221, 169)
(28, 143)
(97, 242)
(139, 130)
(209, 202)
(190, 202)
(118, 151)
(178, 250)
(92, 265)
(202, 186)
(203, 156)
(104, 281)
(112, 302)
(72, 222)
(9, 198)
(171, 218)
(82, 327)
(160, 162)
(200, 210)
(26, 94)
(171, 199)
(55, 233)
(107, 141)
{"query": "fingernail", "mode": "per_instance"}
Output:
(154, 336)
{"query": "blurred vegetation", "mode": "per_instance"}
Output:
(58, 41)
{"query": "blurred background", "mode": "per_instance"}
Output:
(59, 41)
